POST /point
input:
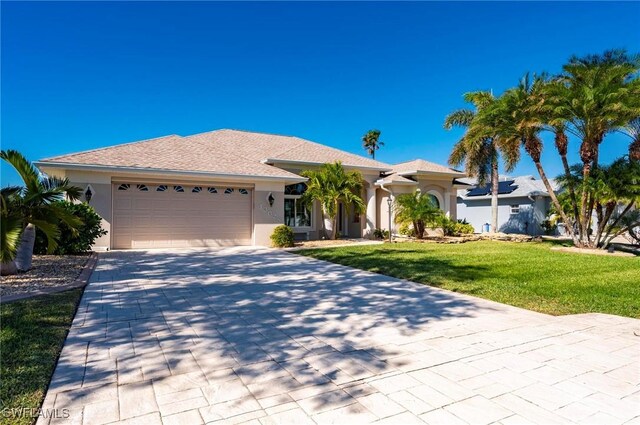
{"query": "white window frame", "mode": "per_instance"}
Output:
(514, 209)
(313, 214)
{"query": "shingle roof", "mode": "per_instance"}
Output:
(220, 151)
(422, 166)
(396, 179)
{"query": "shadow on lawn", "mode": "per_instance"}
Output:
(155, 315)
(405, 263)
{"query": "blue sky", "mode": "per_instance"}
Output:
(77, 76)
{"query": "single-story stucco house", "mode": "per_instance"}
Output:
(230, 187)
(523, 204)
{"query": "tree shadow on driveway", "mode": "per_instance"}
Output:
(240, 324)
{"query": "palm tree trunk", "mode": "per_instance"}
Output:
(495, 181)
(8, 268)
(584, 206)
(334, 221)
(25, 248)
(561, 142)
(554, 198)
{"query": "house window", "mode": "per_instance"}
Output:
(515, 209)
(295, 213)
(434, 200)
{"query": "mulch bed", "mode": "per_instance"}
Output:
(48, 272)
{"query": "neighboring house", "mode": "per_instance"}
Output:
(230, 187)
(523, 204)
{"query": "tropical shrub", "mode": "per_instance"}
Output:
(74, 242)
(331, 185)
(463, 228)
(406, 230)
(381, 234)
(282, 236)
(454, 228)
(30, 207)
(417, 210)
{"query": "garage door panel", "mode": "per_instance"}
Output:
(159, 219)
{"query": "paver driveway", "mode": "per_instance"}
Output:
(263, 336)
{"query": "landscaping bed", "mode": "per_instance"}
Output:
(32, 334)
(527, 275)
(48, 272)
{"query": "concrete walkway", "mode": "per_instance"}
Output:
(265, 337)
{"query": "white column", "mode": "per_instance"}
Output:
(447, 203)
(371, 211)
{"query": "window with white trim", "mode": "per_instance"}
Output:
(296, 214)
(515, 209)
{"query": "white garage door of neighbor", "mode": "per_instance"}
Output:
(178, 216)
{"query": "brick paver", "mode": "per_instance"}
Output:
(246, 335)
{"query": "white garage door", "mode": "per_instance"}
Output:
(177, 216)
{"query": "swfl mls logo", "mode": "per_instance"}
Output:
(25, 412)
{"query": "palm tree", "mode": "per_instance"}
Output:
(330, 185)
(521, 121)
(417, 210)
(371, 142)
(478, 149)
(632, 129)
(30, 207)
(600, 96)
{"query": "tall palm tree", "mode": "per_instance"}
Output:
(331, 185)
(371, 142)
(29, 207)
(601, 96)
(478, 149)
(521, 121)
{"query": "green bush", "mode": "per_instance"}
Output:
(90, 230)
(406, 230)
(454, 228)
(463, 228)
(381, 234)
(282, 236)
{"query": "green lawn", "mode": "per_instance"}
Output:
(31, 336)
(527, 275)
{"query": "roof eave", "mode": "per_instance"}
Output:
(271, 161)
(143, 170)
(392, 183)
(439, 173)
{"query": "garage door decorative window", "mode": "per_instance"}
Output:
(212, 190)
(178, 188)
(142, 188)
(228, 190)
(243, 191)
(124, 187)
(161, 188)
(196, 189)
